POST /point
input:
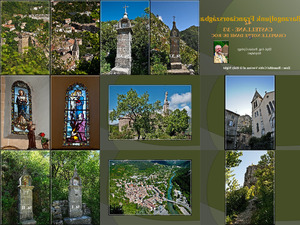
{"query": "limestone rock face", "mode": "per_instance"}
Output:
(250, 179)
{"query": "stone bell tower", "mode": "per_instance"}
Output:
(166, 105)
(124, 38)
(75, 50)
(23, 42)
(25, 199)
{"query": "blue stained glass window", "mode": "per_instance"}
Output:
(77, 121)
(21, 111)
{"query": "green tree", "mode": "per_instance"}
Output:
(140, 46)
(232, 160)
(138, 110)
(88, 166)
(190, 36)
(264, 142)
(37, 164)
(108, 43)
(235, 196)
(265, 190)
(33, 61)
(177, 122)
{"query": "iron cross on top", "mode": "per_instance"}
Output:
(174, 18)
(126, 6)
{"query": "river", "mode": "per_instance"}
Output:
(170, 205)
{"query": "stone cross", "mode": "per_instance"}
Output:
(126, 6)
(25, 199)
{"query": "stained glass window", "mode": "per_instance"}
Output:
(21, 111)
(76, 131)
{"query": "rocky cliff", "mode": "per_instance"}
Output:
(250, 179)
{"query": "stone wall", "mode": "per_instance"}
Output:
(125, 121)
(60, 211)
(244, 122)
(231, 121)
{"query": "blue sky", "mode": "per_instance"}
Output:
(239, 91)
(248, 158)
(179, 96)
(186, 13)
(111, 10)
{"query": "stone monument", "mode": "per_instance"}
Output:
(123, 58)
(166, 105)
(75, 202)
(25, 199)
(175, 60)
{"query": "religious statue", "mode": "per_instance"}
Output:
(78, 133)
(76, 103)
(79, 103)
(78, 122)
(31, 136)
(22, 110)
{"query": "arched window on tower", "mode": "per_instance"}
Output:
(77, 121)
(21, 112)
(268, 108)
(272, 108)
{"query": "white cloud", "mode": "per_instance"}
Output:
(180, 100)
(188, 109)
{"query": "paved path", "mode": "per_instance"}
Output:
(244, 218)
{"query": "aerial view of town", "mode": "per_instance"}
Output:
(25, 37)
(150, 187)
(75, 37)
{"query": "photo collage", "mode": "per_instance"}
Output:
(99, 112)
